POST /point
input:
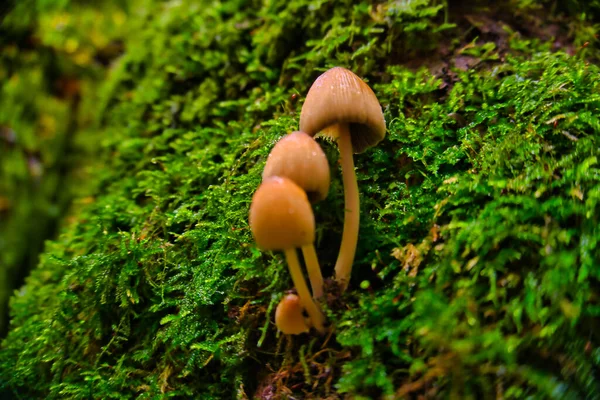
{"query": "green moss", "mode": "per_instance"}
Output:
(507, 266)
(477, 268)
(50, 69)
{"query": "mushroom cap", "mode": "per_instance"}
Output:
(289, 316)
(281, 216)
(299, 157)
(340, 96)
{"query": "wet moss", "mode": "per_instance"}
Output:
(477, 268)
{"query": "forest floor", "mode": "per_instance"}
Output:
(134, 135)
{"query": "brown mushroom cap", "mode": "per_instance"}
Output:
(340, 96)
(281, 216)
(289, 316)
(298, 157)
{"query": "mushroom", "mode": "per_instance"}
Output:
(281, 218)
(289, 316)
(299, 157)
(345, 108)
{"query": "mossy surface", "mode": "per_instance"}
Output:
(477, 273)
(52, 61)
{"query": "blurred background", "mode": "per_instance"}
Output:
(53, 55)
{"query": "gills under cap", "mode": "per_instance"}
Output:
(340, 96)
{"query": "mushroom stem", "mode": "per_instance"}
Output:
(343, 265)
(314, 270)
(316, 316)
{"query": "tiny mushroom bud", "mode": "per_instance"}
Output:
(289, 317)
(299, 157)
(281, 219)
(344, 107)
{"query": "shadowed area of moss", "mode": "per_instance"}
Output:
(477, 272)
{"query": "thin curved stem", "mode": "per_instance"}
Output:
(343, 265)
(316, 316)
(314, 270)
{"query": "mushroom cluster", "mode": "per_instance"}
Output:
(343, 107)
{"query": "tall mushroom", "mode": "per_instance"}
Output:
(299, 157)
(345, 108)
(281, 218)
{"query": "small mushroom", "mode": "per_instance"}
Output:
(289, 316)
(345, 108)
(299, 157)
(281, 218)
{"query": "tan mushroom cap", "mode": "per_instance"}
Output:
(289, 316)
(281, 216)
(299, 157)
(340, 96)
